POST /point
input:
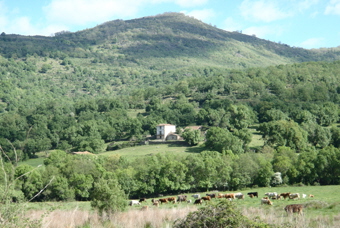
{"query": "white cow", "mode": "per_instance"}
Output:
(196, 196)
(271, 194)
(134, 202)
(294, 196)
(304, 196)
(239, 195)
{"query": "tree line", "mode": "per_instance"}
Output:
(81, 177)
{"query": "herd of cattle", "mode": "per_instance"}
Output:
(197, 199)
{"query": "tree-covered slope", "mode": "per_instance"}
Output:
(160, 42)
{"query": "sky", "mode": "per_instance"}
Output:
(298, 23)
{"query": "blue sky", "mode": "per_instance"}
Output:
(299, 23)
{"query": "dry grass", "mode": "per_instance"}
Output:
(281, 219)
(135, 218)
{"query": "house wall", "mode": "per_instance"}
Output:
(162, 131)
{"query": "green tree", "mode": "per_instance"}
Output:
(220, 140)
(284, 133)
(108, 197)
(192, 137)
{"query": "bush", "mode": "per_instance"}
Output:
(223, 214)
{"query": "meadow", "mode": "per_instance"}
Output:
(323, 210)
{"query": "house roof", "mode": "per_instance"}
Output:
(193, 127)
(165, 125)
(82, 152)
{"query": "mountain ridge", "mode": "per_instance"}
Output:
(166, 41)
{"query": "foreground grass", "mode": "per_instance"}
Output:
(321, 211)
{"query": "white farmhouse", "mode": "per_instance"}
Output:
(163, 130)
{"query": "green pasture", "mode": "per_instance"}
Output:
(133, 152)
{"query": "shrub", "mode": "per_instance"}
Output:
(223, 214)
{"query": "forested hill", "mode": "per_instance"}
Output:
(166, 41)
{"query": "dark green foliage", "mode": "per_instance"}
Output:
(192, 137)
(284, 133)
(108, 197)
(223, 214)
(220, 140)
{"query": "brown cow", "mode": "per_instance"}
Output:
(198, 201)
(266, 201)
(294, 208)
(163, 200)
(229, 196)
(172, 199)
(251, 195)
(285, 195)
(220, 195)
(311, 196)
(156, 203)
(205, 198)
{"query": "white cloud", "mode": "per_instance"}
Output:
(80, 12)
(203, 15)
(183, 3)
(306, 4)
(263, 31)
(263, 10)
(231, 25)
(312, 43)
(333, 7)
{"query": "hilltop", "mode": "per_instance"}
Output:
(167, 41)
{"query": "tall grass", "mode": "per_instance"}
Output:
(164, 217)
(134, 218)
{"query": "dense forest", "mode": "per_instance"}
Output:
(73, 92)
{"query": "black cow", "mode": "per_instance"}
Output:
(212, 195)
(254, 194)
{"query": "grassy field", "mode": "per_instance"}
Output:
(133, 152)
(321, 211)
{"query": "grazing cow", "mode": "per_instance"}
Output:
(189, 201)
(134, 202)
(165, 200)
(220, 195)
(294, 208)
(181, 198)
(311, 196)
(294, 196)
(144, 208)
(285, 195)
(156, 203)
(239, 195)
(205, 198)
(251, 195)
(304, 196)
(229, 196)
(254, 194)
(266, 201)
(172, 199)
(142, 200)
(198, 201)
(271, 194)
(212, 195)
(196, 196)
